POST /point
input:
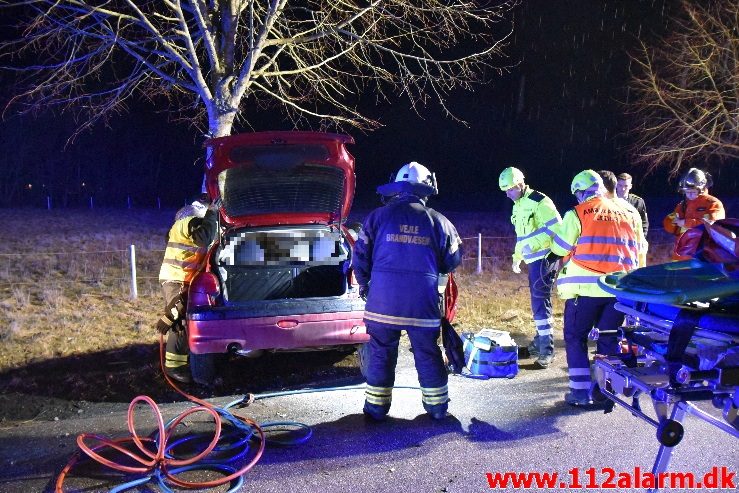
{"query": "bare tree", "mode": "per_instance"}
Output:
(216, 61)
(686, 89)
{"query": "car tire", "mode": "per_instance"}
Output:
(363, 357)
(203, 368)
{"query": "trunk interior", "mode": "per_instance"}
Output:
(282, 263)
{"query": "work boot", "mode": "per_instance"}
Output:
(544, 360)
(533, 347)
(179, 374)
(578, 398)
(436, 411)
(581, 398)
(375, 412)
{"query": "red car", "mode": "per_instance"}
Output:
(278, 277)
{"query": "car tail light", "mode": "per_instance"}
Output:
(203, 290)
(288, 324)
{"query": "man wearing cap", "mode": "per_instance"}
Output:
(533, 217)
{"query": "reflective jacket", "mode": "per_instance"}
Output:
(704, 206)
(533, 216)
(187, 245)
(401, 250)
(599, 238)
(641, 239)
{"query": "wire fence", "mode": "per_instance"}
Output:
(124, 271)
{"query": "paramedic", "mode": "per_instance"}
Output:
(533, 216)
(597, 237)
(187, 244)
(610, 183)
(696, 206)
(400, 252)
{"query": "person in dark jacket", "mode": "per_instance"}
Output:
(400, 252)
(623, 190)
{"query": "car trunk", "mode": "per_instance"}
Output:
(281, 263)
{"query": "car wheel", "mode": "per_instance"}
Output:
(364, 358)
(203, 368)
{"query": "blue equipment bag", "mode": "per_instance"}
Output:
(491, 353)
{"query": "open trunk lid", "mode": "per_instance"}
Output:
(281, 178)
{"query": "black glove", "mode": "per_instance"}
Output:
(363, 291)
(164, 324)
(174, 312)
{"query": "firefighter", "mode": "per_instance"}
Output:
(400, 252)
(187, 244)
(533, 217)
(597, 237)
(696, 206)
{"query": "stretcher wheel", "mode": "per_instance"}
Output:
(670, 432)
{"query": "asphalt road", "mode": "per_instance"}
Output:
(517, 425)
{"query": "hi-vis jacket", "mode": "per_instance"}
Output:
(187, 245)
(704, 206)
(599, 237)
(401, 250)
(641, 239)
(533, 216)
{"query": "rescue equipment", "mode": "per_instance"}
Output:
(682, 345)
(490, 353)
(453, 346)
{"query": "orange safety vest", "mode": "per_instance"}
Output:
(608, 242)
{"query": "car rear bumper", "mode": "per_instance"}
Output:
(229, 331)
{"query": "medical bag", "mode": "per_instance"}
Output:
(491, 353)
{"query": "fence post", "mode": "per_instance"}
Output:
(134, 289)
(479, 253)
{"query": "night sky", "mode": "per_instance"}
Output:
(557, 111)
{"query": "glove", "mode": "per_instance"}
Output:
(516, 267)
(363, 291)
(164, 324)
(174, 312)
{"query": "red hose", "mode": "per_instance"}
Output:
(150, 461)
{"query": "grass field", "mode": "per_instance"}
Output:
(65, 281)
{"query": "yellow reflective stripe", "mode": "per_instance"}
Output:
(185, 246)
(438, 395)
(389, 319)
(378, 395)
(181, 263)
(379, 390)
(435, 390)
(172, 360)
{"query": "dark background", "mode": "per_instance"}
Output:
(557, 111)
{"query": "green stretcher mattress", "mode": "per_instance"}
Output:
(674, 283)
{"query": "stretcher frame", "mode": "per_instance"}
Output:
(645, 374)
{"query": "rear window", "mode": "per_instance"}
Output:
(278, 157)
(279, 187)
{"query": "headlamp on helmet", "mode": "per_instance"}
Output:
(695, 179)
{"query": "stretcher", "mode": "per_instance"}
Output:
(680, 349)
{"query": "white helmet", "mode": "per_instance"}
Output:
(417, 173)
